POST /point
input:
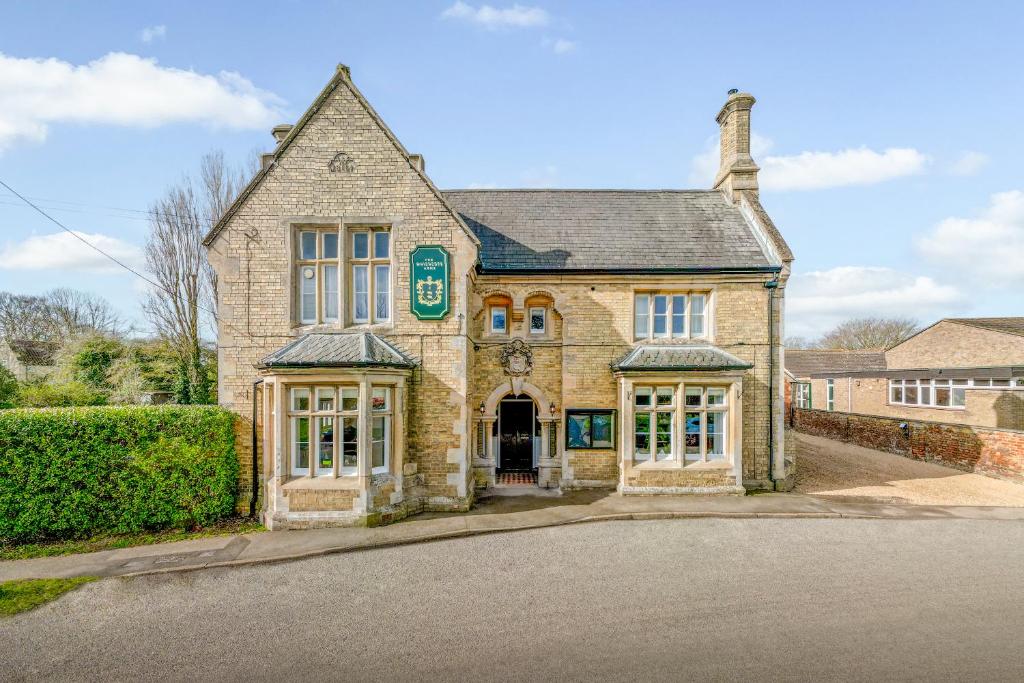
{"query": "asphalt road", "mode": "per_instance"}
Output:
(659, 600)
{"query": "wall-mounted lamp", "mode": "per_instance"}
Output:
(483, 408)
(552, 407)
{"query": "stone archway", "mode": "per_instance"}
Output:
(485, 462)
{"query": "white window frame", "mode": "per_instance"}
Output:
(646, 318)
(384, 414)
(926, 392)
(494, 308)
(372, 262)
(316, 266)
(802, 394)
(543, 319)
(830, 395)
(678, 410)
(339, 414)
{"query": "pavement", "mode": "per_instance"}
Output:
(492, 514)
(694, 599)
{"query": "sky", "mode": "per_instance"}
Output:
(887, 132)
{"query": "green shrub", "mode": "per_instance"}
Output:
(45, 395)
(75, 472)
(8, 388)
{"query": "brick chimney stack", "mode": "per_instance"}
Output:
(737, 170)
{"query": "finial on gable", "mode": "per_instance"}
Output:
(345, 70)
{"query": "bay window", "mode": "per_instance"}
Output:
(703, 415)
(670, 315)
(315, 414)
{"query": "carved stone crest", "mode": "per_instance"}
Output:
(342, 163)
(517, 361)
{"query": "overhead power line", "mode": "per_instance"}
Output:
(113, 258)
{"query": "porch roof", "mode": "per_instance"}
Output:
(338, 350)
(679, 358)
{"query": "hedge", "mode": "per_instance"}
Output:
(74, 472)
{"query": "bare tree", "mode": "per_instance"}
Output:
(867, 334)
(185, 301)
(796, 343)
(24, 317)
(73, 312)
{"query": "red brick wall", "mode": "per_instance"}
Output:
(995, 452)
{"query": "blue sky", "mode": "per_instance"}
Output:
(888, 133)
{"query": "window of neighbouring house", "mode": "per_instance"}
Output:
(315, 415)
(934, 393)
(830, 394)
(590, 428)
(670, 315)
(703, 414)
(802, 394)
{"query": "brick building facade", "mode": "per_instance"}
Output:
(402, 347)
(966, 371)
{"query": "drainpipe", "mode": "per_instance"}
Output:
(255, 471)
(771, 286)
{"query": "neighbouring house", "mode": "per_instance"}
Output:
(967, 371)
(28, 359)
(402, 347)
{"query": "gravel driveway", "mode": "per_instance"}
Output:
(847, 472)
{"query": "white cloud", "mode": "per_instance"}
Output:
(516, 16)
(62, 251)
(151, 33)
(819, 170)
(988, 249)
(815, 170)
(819, 300)
(124, 90)
(563, 46)
(968, 163)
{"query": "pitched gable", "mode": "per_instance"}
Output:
(341, 79)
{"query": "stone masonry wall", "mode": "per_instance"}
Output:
(994, 452)
(593, 327)
(253, 260)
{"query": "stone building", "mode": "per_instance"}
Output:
(402, 347)
(27, 359)
(966, 371)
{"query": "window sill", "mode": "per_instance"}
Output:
(920, 407)
(323, 482)
(677, 465)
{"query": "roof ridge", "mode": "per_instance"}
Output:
(581, 189)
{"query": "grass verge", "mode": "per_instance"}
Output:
(239, 525)
(25, 594)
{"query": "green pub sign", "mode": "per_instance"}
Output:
(428, 282)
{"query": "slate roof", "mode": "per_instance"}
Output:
(804, 362)
(609, 230)
(1007, 325)
(679, 358)
(331, 350)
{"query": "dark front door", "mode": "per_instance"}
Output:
(516, 435)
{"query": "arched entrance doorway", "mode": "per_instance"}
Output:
(519, 435)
